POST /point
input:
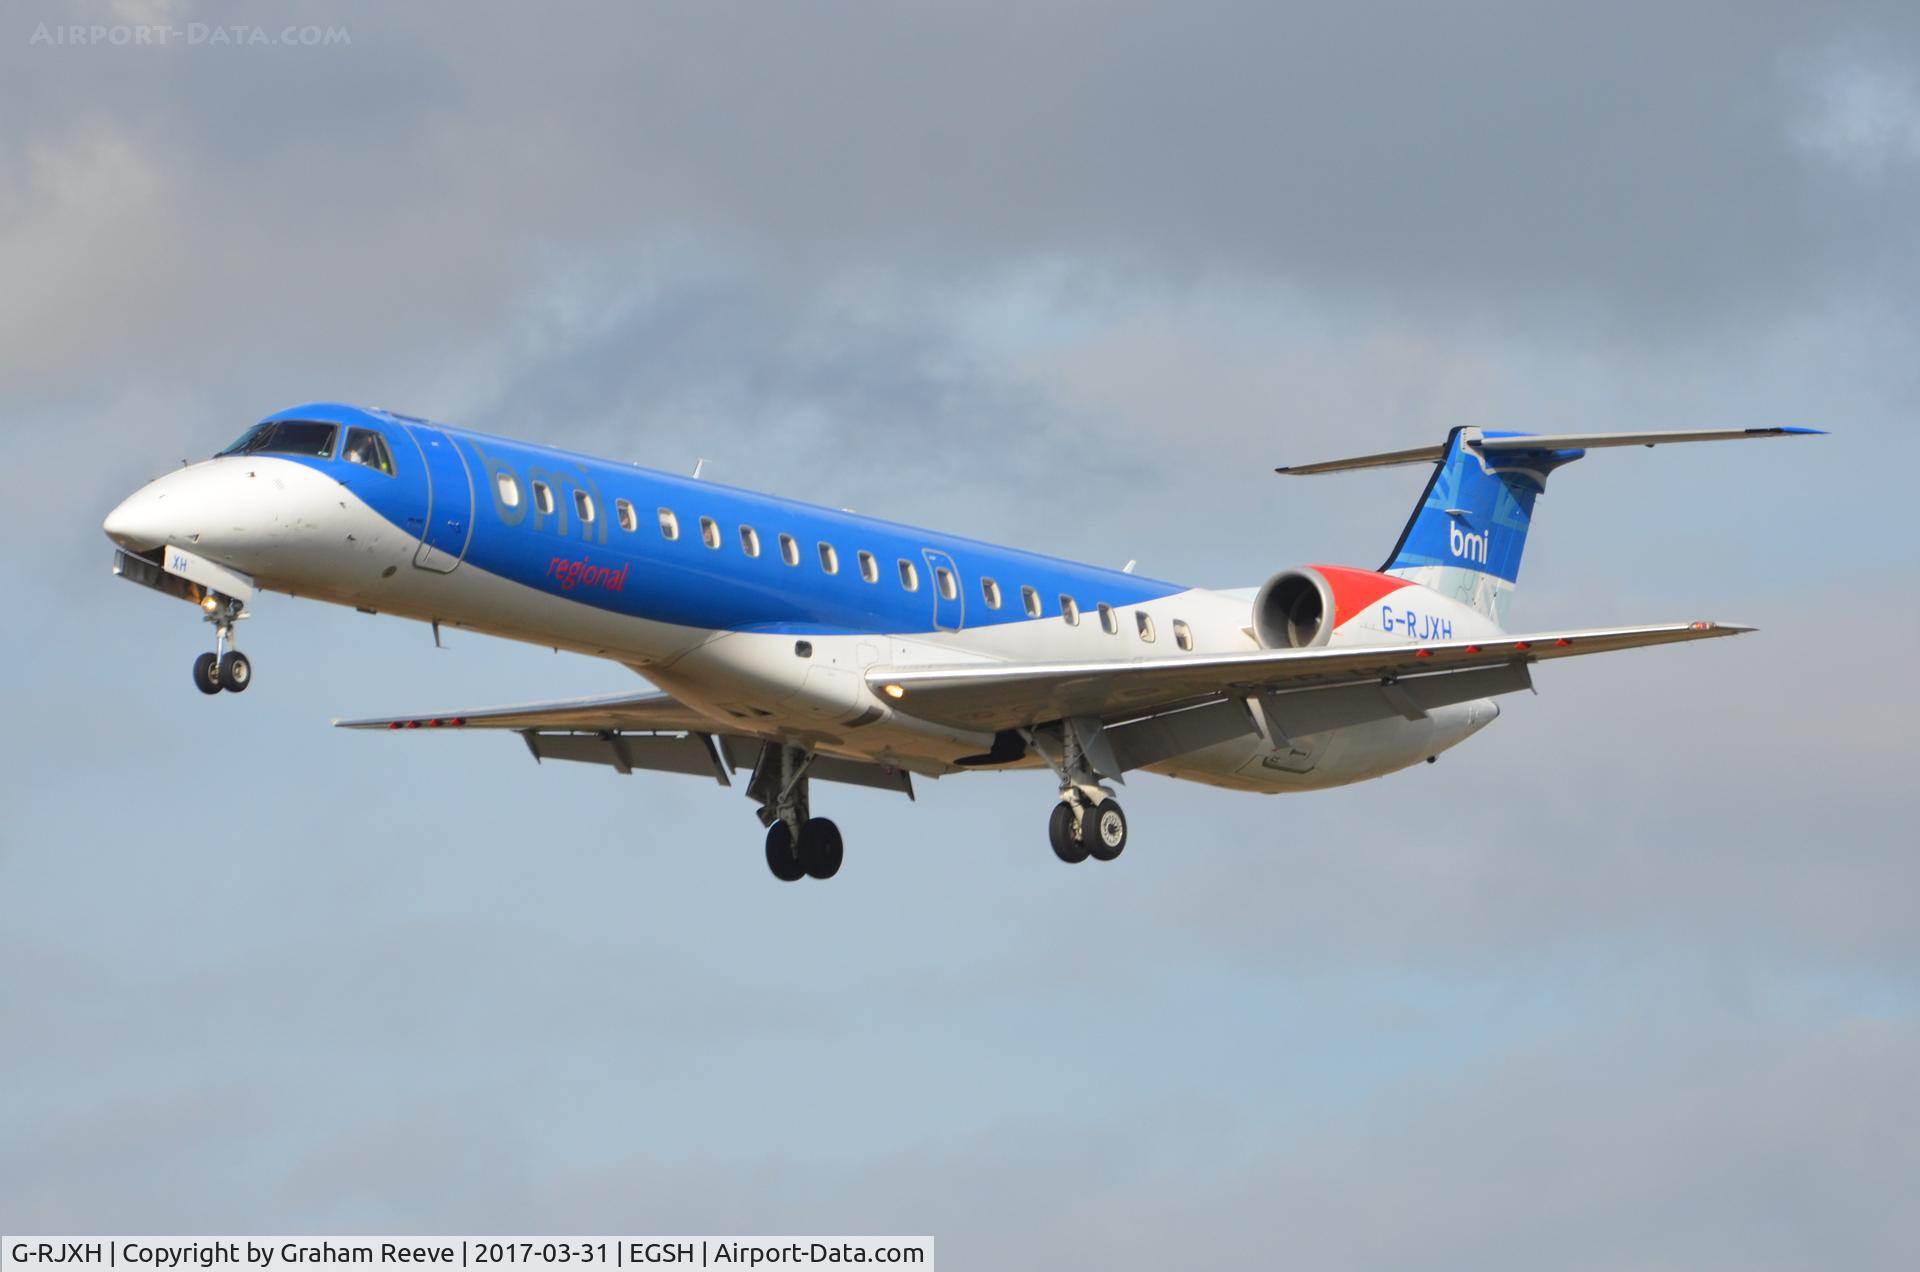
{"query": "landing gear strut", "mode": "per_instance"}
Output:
(1087, 822)
(225, 667)
(799, 845)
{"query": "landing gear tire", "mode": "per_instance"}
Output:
(206, 674)
(781, 858)
(1103, 829)
(236, 673)
(1061, 830)
(821, 848)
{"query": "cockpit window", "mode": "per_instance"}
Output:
(286, 437)
(364, 446)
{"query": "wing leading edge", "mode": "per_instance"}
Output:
(1015, 695)
(647, 711)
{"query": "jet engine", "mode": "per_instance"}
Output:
(1295, 609)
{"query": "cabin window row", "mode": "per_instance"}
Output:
(868, 565)
(1143, 626)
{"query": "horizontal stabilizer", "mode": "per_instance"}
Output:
(1597, 441)
(1534, 442)
(1385, 459)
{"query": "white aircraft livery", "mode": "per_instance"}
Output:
(791, 642)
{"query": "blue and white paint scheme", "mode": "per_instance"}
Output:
(790, 642)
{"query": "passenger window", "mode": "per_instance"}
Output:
(368, 448)
(669, 525)
(710, 532)
(583, 504)
(543, 498)
(869, 568)
(943, 579)
(749, 541)
(1069, 610)
(623, 513)
(1109, 623)
(1143, 623)
(1182, 635)
(829, 559)
(789, 550)
(990, 592)
(509, 489)
(1030, 599)
(909, 577)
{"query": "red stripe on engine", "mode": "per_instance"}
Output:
(1354, 590)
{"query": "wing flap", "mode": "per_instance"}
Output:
(626, 732)
(1012, 695)
(1299, 712)
(691, 753)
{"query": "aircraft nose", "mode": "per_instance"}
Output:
(138, 524)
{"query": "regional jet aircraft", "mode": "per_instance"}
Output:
(793, 642)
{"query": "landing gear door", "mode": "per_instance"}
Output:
(449, 527)
(949, 602)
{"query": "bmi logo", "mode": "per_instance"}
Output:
(1469, 547)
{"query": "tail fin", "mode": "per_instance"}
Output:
(1466, 535)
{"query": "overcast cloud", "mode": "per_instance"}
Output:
(1630, 981)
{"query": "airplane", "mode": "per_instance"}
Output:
(794, 643)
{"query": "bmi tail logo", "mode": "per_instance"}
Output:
(1468, 547)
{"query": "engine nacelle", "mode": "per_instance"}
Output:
(1295, 609)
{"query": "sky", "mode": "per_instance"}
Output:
(1632, 980)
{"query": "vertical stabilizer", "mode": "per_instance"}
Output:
(1466, 537)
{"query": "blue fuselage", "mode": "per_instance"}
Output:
(598, 533)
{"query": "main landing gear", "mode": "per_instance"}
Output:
(1087, 822)
(1080, 829)
(799, 845)
(225, 667)
(817, 854)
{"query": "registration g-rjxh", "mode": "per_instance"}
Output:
(788, 644)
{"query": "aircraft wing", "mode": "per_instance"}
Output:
(993, 696)
(641, 712)
(636, 731)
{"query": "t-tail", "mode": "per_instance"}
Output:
(1468, 532)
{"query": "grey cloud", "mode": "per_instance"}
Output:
(1634, 166)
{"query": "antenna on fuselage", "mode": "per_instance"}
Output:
(698, 464)
(1128, 567)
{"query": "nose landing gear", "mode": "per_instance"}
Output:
(225, 667)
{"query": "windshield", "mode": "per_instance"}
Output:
(286, 437)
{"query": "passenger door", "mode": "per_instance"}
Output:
(949, 598)
(449, 501)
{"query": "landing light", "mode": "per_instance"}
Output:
(209, 602)
(896, 692)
